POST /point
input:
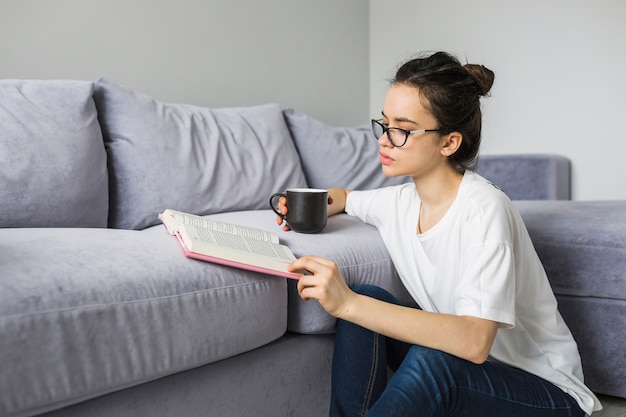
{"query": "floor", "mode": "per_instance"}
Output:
(613, 407)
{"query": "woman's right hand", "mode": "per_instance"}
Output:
(323, 283)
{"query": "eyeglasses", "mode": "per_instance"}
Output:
(397, 137)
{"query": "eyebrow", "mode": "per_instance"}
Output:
(400, 119)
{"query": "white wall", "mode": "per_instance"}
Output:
(310, 55)
(560, 70)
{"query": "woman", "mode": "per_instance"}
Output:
(488, 339)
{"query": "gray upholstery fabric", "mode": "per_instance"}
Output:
(190, 158)
(345, 157)
(100, 310)
(528, 176)
(53, 169)
(288, 377)
(582, 245)
(355, 246)
(597, 325)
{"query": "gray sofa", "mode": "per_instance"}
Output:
(102, 315)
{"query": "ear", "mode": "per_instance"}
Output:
(451, 143)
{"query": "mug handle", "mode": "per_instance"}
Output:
(272, 204)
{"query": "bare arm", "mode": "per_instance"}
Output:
(466, 337)
(337, 200)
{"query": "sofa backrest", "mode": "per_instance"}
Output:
(528, 176)
(53, 166)
(189, 158)
(83, 154)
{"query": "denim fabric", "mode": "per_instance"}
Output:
(428, 382)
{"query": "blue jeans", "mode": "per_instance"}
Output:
(429, 382)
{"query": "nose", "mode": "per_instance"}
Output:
(383, 141)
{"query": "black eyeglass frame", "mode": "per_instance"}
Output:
(406, 132)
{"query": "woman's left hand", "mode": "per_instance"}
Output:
(325, 284)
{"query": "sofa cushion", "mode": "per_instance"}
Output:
(357, 249)
(528, 176)
(597, 325)
(345, 157)
(582, 245)
(189, 158)
(118, 308)
(53, 170)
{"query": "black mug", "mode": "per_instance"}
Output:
(307, 209)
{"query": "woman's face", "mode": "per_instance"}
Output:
(421, 153)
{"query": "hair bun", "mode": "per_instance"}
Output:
(482, 75)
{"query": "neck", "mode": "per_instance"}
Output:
(439, 188)
(436, 192)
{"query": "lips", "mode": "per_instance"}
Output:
(385, 159)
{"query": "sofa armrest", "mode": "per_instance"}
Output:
(528, 176)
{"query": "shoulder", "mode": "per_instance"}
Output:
(483, 193)
(476, 183)
(488, 206)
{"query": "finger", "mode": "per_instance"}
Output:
(307, 287)
(282, 205)
(318, 262)
(309, 263)
(306, 293)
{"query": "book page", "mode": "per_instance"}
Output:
(179, 218)
(259, 263)
(242, 248)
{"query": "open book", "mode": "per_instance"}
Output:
(229, 244)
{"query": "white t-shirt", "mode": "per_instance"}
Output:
(478, 260)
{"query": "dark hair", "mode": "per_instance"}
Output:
(451, 92)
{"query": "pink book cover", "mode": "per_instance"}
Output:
(206, 258)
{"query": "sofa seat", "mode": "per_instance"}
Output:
(99, 310)
(124, 307)
(582, 245)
